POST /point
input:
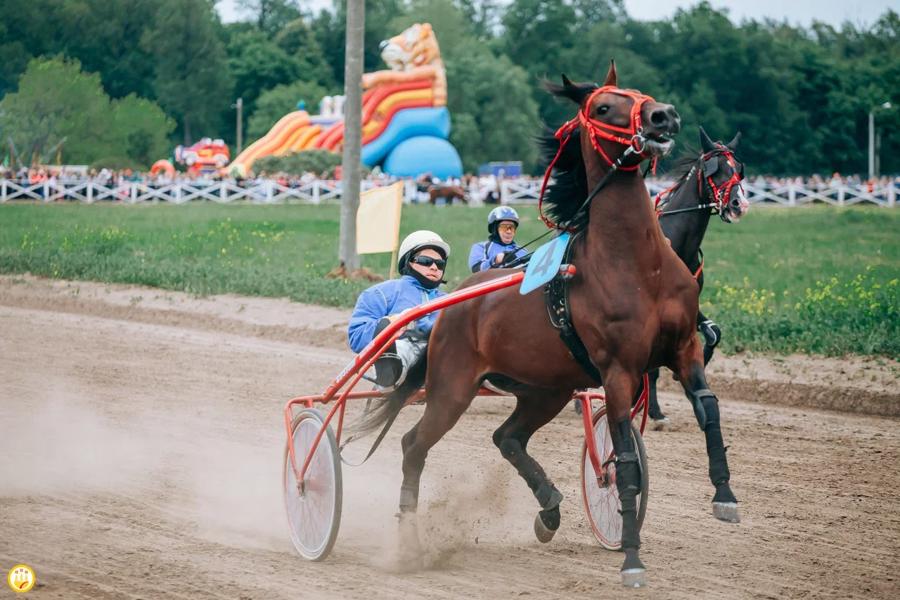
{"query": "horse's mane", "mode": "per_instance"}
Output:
(569, 187)
(682, 166)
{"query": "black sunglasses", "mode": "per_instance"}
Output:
(427, 261)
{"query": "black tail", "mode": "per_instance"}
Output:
(385, 412)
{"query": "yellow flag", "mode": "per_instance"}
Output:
(378, 219)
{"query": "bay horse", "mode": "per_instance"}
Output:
(633, 302)
(448, 192)
(705, 185)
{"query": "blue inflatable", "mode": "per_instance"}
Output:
(424, 154)
(404, 125)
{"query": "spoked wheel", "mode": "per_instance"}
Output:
(313, 511)
(601, 499)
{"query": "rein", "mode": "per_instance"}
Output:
(632, 137)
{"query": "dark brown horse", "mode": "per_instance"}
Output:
(633, 302)
(448, 192)
(706, 184)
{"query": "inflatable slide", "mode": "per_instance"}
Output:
(406, 124)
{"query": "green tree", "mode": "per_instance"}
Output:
(299, 41)
(28, 28)
(258, 64)
(105, 36)
(59, 106)
(494, 115)
(280, 100)
(142, 130)
(192, 81)
(538, 35)
(271, 16)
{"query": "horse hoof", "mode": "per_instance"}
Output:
(660, 424)
(726, 511)
(634, 578)
(543, 533)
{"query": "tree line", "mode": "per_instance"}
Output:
(124, 80)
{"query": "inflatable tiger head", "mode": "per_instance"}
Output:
(415, 47)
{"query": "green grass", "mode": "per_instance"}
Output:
(817, 279)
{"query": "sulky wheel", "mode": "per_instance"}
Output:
(313, 512)
(601, 499)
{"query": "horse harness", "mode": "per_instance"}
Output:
(556, 296)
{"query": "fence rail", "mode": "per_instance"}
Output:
(512, 191)
(792, 194)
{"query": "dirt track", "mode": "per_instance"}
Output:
(140, 457)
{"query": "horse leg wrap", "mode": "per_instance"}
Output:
(628, 482)
(712, 335)
(409, 499)
(715, 450)
(628, 477)
(700, 399)
(548, 496)
(544, 491)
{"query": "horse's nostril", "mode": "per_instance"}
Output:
(659, 118)
(383, 44)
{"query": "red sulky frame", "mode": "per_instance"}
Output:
(354, 371)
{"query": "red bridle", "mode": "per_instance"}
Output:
(631, 136)
(720, 193)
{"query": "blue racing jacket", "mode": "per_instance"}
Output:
(385, 299)
(482, 255)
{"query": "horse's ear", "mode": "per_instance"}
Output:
(733, 144)
(573, 91)
(611, 74)
(705, 142)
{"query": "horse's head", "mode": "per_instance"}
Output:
(721, 174)
(613, 120)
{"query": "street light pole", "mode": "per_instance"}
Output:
(872, 169)
(872, 144)
(239, 105)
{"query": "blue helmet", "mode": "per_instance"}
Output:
(502, 213)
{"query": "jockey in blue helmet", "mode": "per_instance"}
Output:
(499, 248)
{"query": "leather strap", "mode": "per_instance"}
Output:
(556, 296)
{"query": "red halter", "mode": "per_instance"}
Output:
(722, 192)
(632, 136)
(718, 193)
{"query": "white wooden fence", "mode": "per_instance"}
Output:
(791, 194)
(512, 191)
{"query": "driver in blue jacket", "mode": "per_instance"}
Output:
(500, 248)
(423, 258)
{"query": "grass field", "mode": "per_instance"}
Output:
(814, 279)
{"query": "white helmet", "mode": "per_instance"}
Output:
(419, 240)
